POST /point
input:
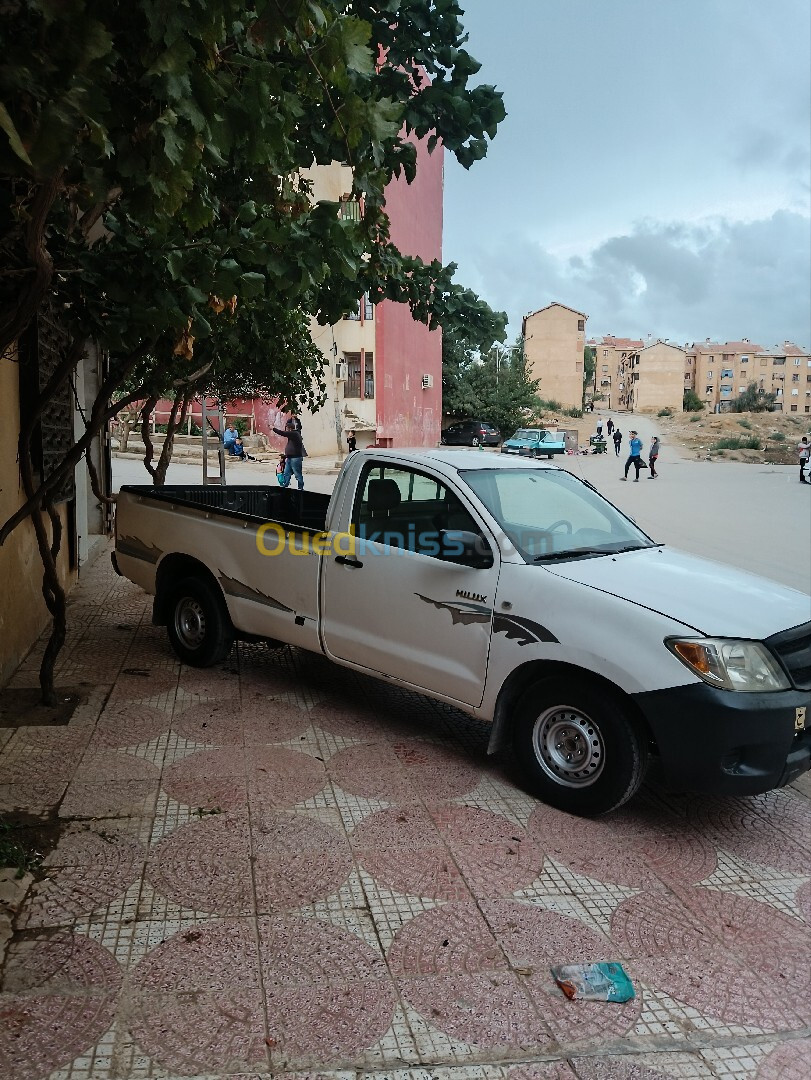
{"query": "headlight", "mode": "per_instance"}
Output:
(731, 665)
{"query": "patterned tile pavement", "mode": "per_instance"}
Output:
(279, 867)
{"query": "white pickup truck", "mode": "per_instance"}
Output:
(509, 588)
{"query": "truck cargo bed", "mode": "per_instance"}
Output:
(304, 509)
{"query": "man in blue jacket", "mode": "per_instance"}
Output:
(634, 456)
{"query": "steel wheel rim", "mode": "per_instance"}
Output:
(475, 441)
(568, 746)
(190, 623)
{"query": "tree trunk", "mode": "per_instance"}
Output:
(149, 449)
(182, 402)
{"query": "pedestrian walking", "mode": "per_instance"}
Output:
(635, 456)
(617, 436)
(600, 428)
(293, 455)
(351, 441)
(609, 427)
(803, 452)
(653, 454)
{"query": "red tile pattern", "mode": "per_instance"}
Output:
(376, 897)
(58, 997)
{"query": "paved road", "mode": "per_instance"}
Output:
(757, 518)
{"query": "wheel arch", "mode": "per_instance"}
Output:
(173, 568)
(518, 682)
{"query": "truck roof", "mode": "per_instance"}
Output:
(458, 458)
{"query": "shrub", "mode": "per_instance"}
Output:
(737, 442)
(692, 402)
(777, 436)
(745, 424)
(694, 419)
(550, 406)
(753, 400)
(665, 412)
(572, 412)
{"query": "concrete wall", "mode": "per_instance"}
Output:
(553, 346)
(23, 615)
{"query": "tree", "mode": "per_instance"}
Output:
(589, 369)
(496, 387)
(152, 164)
(691, 402)
(754, 400)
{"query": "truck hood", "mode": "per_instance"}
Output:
(714, 599)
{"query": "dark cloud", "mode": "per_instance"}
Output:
(726, 280)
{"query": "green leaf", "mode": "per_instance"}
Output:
(7, 124)
(251, 286)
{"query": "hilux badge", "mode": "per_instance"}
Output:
(799, 718)
(465, 595)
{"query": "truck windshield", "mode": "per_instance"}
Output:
(551, 515)
(528, 435)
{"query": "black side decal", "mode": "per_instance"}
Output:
(137, 549)
(525, 631)
(245, 592)
(466, 614)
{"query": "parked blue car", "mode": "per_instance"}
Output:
(534, 442)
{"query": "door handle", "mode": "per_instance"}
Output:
(346, 561)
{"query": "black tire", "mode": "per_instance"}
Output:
(558, 727)
(442, 441)
(199, 628)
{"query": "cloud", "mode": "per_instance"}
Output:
(722, 279)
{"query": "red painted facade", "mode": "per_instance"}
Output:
(407, 414)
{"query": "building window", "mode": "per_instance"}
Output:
(349, 210)
(794, 393)
(795, 378)
(353, 316)
(605, 353)
(368, 308)
(779, 391)
(726, 373)
(793, 408)
(712, 358)
(708, 390)
(581, 324)
(797, 362)
(369, 375)
(726, 390)
(763, 363)
(605, 369)
(779, 361)
(352, 388)
(744, 359)
(709, 374)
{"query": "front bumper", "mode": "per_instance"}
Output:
(726, 742)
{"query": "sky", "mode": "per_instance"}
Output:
(653, 171)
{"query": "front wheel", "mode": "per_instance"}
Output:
(199, 628)
(578, 749)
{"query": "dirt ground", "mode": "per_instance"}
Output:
(700, 433)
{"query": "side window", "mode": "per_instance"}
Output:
(407, 510)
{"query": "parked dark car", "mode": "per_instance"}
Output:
(471, 433)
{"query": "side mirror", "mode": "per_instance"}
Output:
(466, 548)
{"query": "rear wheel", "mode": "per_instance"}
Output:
(579, 750)
(199, 627)
(475, 441)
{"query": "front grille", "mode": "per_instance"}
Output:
(793, 648)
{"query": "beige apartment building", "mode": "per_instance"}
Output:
(609, 353)
(652, 378)
(718, 373)
(554, 342)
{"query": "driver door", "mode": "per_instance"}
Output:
(402, 605)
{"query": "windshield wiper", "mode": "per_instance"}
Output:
(576, 553)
